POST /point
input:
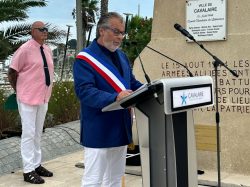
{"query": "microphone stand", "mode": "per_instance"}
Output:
(190, 74)
(217, 62)
(151, 87)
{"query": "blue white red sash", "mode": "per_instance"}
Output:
(104, 69)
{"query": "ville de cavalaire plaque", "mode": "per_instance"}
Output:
(206, 19)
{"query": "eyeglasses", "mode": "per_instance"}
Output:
(42, 29)
(116, 31)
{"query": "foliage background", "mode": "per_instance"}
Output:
(64, 106)
(138, 30)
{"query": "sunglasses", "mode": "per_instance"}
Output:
(116, 31)
(42, 29)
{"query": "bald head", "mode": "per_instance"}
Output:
(37, 24)
(38, 32)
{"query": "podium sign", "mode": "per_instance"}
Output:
(190, 97)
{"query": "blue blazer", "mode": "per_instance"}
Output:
(102, 129)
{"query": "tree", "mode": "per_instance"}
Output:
(12, 37)
(104, 7)
(72, 44)
(58, 49)
(89, 13)
(139, 30)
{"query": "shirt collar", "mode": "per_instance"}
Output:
(36, 43)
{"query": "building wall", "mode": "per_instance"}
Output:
(234, 95)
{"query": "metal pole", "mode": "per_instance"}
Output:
(65, 50)
(217, 117)
(79, 26)
(139, 10)
(90, 29)
(126, 25)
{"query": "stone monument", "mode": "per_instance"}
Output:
(233, 93)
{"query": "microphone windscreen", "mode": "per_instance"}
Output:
(177, 26)
(134, 43)
(127, 43)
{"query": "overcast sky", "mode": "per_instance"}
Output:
(59, 12)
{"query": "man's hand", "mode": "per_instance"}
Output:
(123, 94)
(12, 76)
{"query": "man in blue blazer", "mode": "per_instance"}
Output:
(103, 75)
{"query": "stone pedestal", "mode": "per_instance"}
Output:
(234, 93)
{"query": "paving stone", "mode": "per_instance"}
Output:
(14, 149)
(15, 165)
(13, 144)
(5, 161)
(9, 151)
(9, 158)
(1, 163)
(4, 152)
(18, 147)
(17, 156)
(54, 143)
(59, 145)
(54, 140)
(20, 162)
(4, 146)
(1, 155)
(5, 169)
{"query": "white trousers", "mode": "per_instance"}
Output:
(104, 165)
(32, 117)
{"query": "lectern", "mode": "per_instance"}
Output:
(166, 129)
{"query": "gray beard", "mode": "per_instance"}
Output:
(110, 46)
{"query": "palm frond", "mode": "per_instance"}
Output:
(35, 3)
(55, 34)
(12, 14)
(15, 10)
(5, 47)
(14, 36)
(93, 5)
(17, 32)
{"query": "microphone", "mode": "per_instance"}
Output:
(151, 87)
(183, 31)
(135, 43)
(146, 76)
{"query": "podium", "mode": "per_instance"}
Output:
(166, 130)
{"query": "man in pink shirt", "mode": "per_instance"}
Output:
(31, 76)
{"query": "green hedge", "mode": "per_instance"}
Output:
(64, 107)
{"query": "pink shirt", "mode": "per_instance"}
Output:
(28, 62)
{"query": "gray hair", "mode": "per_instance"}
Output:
(104, 21)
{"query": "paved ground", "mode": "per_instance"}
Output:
(55, 143)
(67, 175)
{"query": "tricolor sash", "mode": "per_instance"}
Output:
(108, 73)
(104, 69)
